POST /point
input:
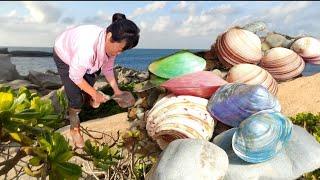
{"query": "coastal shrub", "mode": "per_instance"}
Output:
(311, 122)
(30, 121)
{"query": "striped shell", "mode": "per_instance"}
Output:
(261, 136)
(252, 74)
(238, 46)
(177, 117)
(282, 63)
(234, 102)
(308, 48)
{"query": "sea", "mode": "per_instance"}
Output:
(137, 59)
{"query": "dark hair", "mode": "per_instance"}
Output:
(124, 29)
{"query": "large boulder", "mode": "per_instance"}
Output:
(8, 70)
(45, 80)
(299, 156)
(190, 159)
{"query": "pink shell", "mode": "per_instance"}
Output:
(201, 84)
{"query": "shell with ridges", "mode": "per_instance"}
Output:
(282, 63)
(174, 117)
(261, 136)
(252, 74)
(238, 46)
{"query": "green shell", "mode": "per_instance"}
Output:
(177, 64)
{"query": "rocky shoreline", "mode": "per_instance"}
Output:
(21, 53)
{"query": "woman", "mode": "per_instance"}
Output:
(81, 53)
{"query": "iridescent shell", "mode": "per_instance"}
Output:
(307, 47)
(180, 63)
(261, 136)
(252, 74)
(201, 84)
(282, 63)
(177, 117)
(234, 102)
(238, 46)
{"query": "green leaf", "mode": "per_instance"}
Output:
(27, 114)
(45, 144)
(15, 136)
(67, 170)
(6, 100)
(35, 161)
(64, 157)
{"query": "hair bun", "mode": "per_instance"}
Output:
(118, 16)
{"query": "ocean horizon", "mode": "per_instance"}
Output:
(137, 59)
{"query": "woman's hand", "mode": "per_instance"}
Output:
(99, 98)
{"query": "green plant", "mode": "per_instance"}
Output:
(311, 123)
(28, 120)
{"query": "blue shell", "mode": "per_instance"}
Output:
(261, 136)
(234, 102)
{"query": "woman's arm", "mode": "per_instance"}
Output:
(109, 75)
(85, 86)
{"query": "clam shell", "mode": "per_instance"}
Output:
(238, 46)
(307, 47)
(201, 84)
(282, 63)
(234, 102)
(175, 117)
(177, 64)
(252, 74)
(261, 136)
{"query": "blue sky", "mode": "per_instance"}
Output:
(163, 24)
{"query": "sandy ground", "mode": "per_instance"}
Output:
(300, 95)
(109, 125)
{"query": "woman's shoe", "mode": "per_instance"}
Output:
(77, 137)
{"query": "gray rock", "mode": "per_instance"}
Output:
(255, 26)
(45, 80)
(190, 159)
(275, 40)
(301, 155)
(16, 84)
(8, 70)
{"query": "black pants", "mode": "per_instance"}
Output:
(75, 95)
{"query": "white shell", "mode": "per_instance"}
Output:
(176, 117)
(252, 74)
(307, 47)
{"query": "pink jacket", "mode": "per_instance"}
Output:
(83, 49)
